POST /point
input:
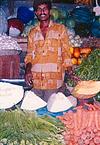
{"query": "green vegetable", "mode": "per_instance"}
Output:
(97, 97)
(21, 127)
(89, 69)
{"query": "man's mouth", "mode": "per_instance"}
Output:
(43, 15)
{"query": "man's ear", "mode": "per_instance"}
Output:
(35, 13)
(50, 12)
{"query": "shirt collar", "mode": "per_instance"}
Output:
(38, 25)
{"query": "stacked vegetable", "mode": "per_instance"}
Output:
(78, 54)
(89, 68)
(80, 129)
(26, 128)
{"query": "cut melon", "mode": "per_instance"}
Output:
(58, 103)
(10, 95)
(32, 102)
(86, 89)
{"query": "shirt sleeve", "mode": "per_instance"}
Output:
(30, 49)
(66, 55)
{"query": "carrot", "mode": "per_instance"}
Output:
(83, 137)
(91, 143)
(98, 133)
(96, 106)
(84, 120)
(95, 130)
(75, 121)
(97, 140)
(80, 142)
(97, 120)
(86, 142)
(79, 118)
(91, 118)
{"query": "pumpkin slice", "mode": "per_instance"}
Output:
(86, 89)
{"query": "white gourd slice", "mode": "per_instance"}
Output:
(32, 102)
(10, 95)
(58, 103)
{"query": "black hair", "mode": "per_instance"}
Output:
(36, 3)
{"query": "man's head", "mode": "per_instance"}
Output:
(39, 2)
(42, 9)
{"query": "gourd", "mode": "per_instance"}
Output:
(82, 14)
(95, 28)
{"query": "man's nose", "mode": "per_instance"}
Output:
(42, 11)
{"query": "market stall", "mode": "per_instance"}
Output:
(72, 118)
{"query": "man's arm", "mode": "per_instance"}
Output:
(28, 68)
(66, 55)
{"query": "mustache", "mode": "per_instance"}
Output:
(42, 14)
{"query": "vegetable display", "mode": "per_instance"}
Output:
(19, 127)
(82, 125)
(89, 69)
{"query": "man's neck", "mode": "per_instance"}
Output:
(44, 24)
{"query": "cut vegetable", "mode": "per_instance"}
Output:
(86, 89)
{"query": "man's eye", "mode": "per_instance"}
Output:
(38, 9)
(44, 9)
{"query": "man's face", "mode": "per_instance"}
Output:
(43, 12)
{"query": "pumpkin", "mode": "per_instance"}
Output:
(86, 89)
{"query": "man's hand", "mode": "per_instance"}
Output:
(29, 79)
(69, 68)
(28, 74)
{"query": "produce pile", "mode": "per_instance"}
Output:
(19, 127)
(80, 129)
(89, 69)
(8, 43)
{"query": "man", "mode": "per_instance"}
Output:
(48, 53)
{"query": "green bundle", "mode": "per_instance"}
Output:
(26, 128)
(89, 69)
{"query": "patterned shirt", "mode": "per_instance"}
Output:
(49, 56)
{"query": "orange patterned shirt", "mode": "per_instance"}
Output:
(49, 56)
